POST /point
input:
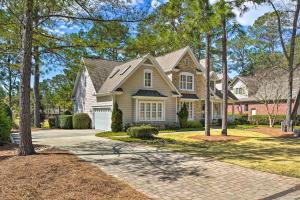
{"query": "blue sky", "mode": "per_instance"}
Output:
(245, 19)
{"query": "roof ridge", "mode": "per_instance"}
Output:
(172, 52)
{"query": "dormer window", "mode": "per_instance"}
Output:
(148, 78)
(186, 81)
(239, 91)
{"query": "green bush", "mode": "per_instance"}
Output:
(240, 119)
(194, 124)
(264, 119)
(81, 121)
(297, 121)
(67, 112)
(144, 132)
(6, 110)
(116, 119)
(5, 126)
(183, 116)
(65, 121)
(52, 122)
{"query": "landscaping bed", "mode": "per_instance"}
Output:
(55, 174)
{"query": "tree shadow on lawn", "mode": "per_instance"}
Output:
(243, 150)
(144, 162)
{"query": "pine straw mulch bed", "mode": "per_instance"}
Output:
(273, 132)
(55, 174)
(217, 138)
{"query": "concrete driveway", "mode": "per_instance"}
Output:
(166, 175)
(63, 138)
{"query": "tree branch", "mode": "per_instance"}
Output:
(280, 30)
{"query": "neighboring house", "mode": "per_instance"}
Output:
(147, 89)
(251, 94)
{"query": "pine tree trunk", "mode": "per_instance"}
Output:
(224, 84)
(10, 85)
(26, 146)
(291, 68)
(296, 105)
(207, 86)
(37, 101)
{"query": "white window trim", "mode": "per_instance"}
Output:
(193, 81)
(151, 120)
(151, 72)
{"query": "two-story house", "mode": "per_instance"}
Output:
(147, 89)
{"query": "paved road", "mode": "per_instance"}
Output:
(170, 176)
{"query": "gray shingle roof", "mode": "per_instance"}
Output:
(189, 96)
(148, 93)
(99, 70)
(118, 74)
(219, 94)
(168, 61)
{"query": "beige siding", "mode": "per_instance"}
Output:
(128, 105)
(85, 94)
(199, 85)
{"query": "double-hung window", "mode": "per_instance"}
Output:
(190, 108)
(186, 81)
(148, 78)
(150, 111)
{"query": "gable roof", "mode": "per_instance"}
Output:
(99, 70)
(171, 60)
(256, 92)
(249, 81)
(122, 72)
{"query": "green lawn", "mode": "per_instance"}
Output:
(256, 151)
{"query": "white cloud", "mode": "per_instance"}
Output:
(254, 12)
(155, 3)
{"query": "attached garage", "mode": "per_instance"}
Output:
(102, 118)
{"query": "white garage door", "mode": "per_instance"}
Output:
(102, 119)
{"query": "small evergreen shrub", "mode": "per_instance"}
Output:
(65, 121)
(53, 122)
(144, 132)
(81, 121)
(5, 126)
(116, 119)
(240, 119)
(194, 124)
(67, 112)
(183, 116)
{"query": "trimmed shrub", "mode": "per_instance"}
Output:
(144, 132)
(45, 124)
(67, 112)
(53, 122)
(5, 126)
(264, 119)
(116, 119)
(81, 121)
(194, 124)
(65, 121)
(240, 119)
(183, 116)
